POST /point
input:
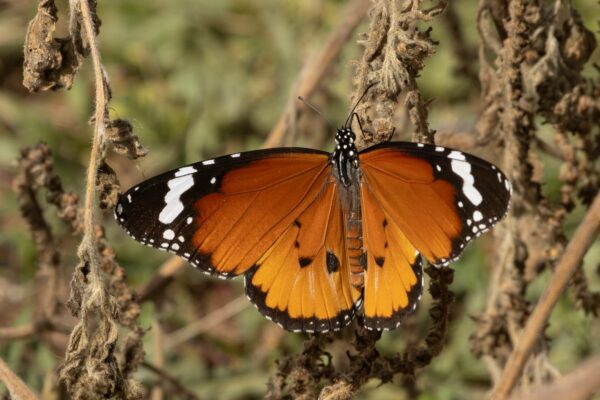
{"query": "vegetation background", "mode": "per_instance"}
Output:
(202, 78)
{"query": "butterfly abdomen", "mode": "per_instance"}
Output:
(353, 229)
(355, 249)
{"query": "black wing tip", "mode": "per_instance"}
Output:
(283, 319)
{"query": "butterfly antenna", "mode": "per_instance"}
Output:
(362, 96)
(315, 109)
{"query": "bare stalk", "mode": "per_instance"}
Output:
(567, 265)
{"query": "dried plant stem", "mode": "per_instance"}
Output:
(173, 381)
(17, 388)
(313, 72)
(200, 326)
(157, 392)
(568, 264)
(18, 332)
(161, 278)
(88, 242)
(580, 384)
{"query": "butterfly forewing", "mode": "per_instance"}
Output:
(439, 198)
(223, 214)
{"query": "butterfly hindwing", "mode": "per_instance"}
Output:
(393, 277)
(302, 282)
(223, 214)
(439, 198)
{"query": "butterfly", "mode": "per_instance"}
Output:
(320, 237)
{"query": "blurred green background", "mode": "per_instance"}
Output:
(202, 78)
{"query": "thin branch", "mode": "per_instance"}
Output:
(209, 321)
(17, 388)
(547, 148)
(163, 276)
(88, 242)
(26, 331)
(18, 332)
(158, 344)
(174, 382)
(580, 384)
(313, 72)
(568, 264)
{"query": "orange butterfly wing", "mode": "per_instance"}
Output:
(419, 199)
(302, 282)
(435, 195)
(242, 204)
(393, 276)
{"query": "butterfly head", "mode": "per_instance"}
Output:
(345, 154)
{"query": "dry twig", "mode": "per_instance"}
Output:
(174, 382)
(204, 324)
(580, 384)
(569, 262)
(313, 72)
(17, 388)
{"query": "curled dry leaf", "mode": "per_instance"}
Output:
(120, 133)
(49, 62)
(107, 186)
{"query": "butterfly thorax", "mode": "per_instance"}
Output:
(347, 171)
(345, 156)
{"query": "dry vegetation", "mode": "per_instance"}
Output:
(73, 325)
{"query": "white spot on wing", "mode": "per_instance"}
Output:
(129, 198)
(173, 205)
(440, 149)
(168, 234)
(189, 220)
(208, 162)
(185, 171)
(456, 155)
(420, 145)
(213, 180)
(119, 209)
(175, 246)
(236, 155)
(463, 169)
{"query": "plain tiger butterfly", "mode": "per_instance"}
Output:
(321, 238)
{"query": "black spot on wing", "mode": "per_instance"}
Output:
(333, 263)
(304, 261)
